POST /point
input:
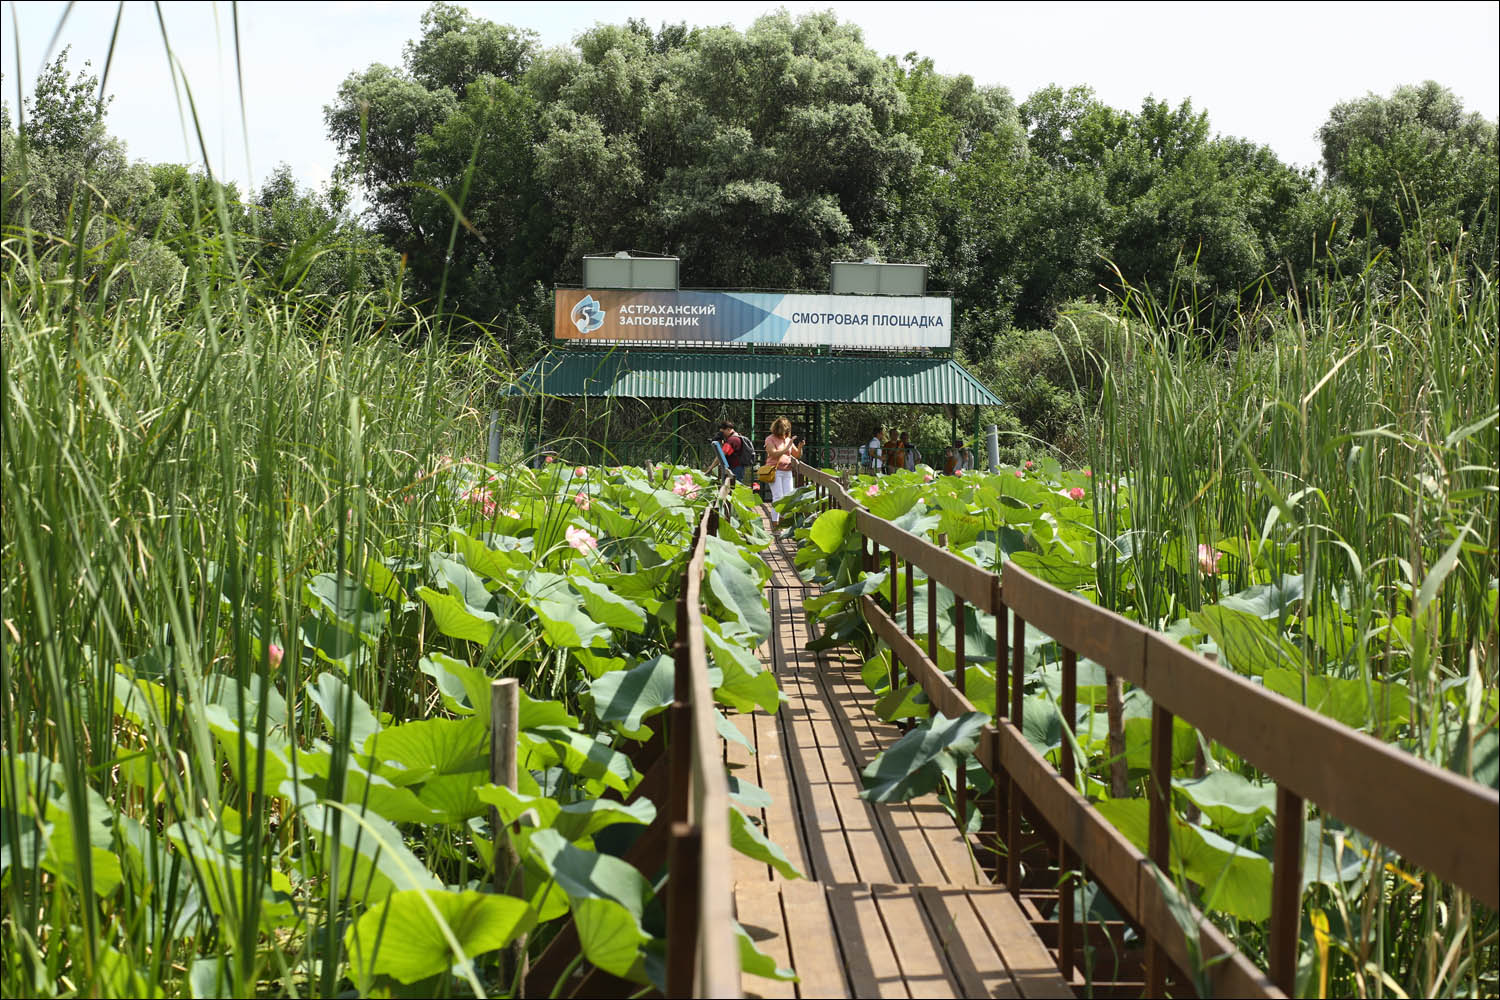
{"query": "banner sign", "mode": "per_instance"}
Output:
(704, 318)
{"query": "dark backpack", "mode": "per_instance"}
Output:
(751, 458)
(738, 451)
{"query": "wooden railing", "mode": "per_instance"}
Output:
(1437, 820)
(702, 953)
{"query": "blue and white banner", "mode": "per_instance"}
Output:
(794, 320)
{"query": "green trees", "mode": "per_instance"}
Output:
(486, 166)
(302, 240)
(759, 156)
(755, 156)
(1420, 169)
(163, 229)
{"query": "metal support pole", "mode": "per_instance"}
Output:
(826, 461)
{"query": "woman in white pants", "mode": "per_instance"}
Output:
(781, 448)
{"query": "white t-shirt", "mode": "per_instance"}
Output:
(877, 459)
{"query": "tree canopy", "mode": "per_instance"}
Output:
(760, 156)
(484, 166)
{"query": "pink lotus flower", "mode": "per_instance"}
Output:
(873, 491)
(1028, 463)
(580, 539)
(1020, 474)
(482, 498)
(1208, 559)
(1076, 493)
(685, 486)
(274, 653)
(927, 477)
(581, 471)
(551, 459)
(582, 500)
(1089, 473)
(958, 472)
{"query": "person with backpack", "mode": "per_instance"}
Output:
(735, 453)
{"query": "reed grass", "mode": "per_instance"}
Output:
(1356, 445)
(172, 479)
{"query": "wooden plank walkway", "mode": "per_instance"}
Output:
(894, 903)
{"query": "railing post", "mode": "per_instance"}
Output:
(680, 724)
(896, 670)
(911, 626)
(932, 623)
(505, 706)
(961, 792)
(1158, 842)
(1286, 888)
(682, 909)
(895, 572)
(1065, 860)
(1002, 694)
(1013, 820)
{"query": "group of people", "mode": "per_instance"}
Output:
(896, 452)
(891, 454)
(737, 457)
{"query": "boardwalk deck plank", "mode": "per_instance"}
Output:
(920, 951)
(782, 825)
(744, 764)
(872, 965)
(976, 963)
(759, 911)
(937, 852)
(816, 953)
(894, 905)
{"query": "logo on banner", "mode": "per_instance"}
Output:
(587, 315)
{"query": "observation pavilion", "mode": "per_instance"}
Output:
(630, 333)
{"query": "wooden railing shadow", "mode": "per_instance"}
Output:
(1438, 821)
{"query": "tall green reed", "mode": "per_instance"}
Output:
(1352, 444)
(172, 480)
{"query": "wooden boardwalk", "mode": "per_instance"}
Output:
(895, 903)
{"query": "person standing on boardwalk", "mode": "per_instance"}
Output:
(781, 448)
(876, 450)
(897, 456)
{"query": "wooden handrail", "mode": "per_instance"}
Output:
(1439, 821)
(700, 893)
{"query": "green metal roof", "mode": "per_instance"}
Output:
(783, 378)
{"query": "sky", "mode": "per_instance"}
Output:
(1268, 72)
